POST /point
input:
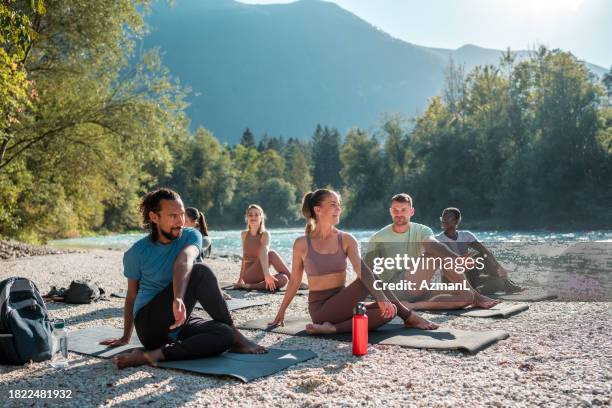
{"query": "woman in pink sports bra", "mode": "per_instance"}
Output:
(322, 253)
(257, 257)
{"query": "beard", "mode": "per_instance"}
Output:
(400, 220)
(169, 235)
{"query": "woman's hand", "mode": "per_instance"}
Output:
(122, 341)
(387, 309)
(279, 320)
(270, 282)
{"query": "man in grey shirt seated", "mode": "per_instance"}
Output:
(494, 277)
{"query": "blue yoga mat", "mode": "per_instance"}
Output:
(245, 367)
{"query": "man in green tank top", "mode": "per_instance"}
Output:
(405, 255)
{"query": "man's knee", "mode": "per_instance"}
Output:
(203, 273)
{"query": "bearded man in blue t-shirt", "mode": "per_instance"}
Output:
(164, 285)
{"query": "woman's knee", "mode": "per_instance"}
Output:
(273, 256)
(281, 280)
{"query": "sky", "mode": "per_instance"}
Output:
(583, 27)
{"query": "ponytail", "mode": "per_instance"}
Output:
(308, 213)
(202, 225)
(198, 216)
(309, 202)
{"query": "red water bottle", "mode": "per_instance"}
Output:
(360, 330)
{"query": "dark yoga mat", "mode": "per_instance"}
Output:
(501, 310)
(245, 367)
(396, 334)
(232, 304)
(528, 295)
(235, 303)
(230, 286)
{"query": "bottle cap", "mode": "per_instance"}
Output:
(58, 324)
(360, 309)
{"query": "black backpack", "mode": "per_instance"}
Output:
(25, 330)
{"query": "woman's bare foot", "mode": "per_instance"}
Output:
(325, 328)
(245, 346)
(226, 295)
(239, 285)
(134, 359)
(512, 287)
(303, 286)
(484, 302)
(417, 322)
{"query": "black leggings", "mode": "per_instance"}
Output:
(197, 338)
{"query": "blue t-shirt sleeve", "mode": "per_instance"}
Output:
(131, 266)
(192, 237)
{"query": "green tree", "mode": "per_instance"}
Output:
(607, 81)
(326, 158)
(363, 175)
(97, 118)
(18, 23)
(277, 197)
(247, 139)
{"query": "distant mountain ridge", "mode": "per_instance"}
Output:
(281, 69)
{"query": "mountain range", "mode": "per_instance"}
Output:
(281, 69)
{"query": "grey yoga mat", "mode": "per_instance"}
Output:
(230, 286)
(244, 367)
(528, 295)
(501, 310)
(232, 304)
(396, 334)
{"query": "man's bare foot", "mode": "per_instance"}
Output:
(245, 346)
(417, 322)
(133, 359)
(325, 328)
(484, 302)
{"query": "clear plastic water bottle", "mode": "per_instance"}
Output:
(59, 348)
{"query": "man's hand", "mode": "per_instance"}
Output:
(270, 282)
(180, 313)
(115, 342)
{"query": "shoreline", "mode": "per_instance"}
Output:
(558, 353)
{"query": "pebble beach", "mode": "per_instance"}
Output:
(558, 354)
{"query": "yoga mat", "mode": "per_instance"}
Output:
(396, 334)
(230, 286)
(529, 295)
(244, 367)
(235, 303)
(232, 304)
(501, 310)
